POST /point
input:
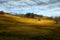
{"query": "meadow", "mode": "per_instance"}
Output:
(17, 28)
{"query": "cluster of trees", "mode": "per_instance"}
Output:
(29, 15)
(32, 15)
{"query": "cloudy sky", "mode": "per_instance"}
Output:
(43, 7)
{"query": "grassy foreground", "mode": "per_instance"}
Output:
(17, 28)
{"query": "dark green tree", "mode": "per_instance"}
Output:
(30, 15)
(1, 12)
(57, 19)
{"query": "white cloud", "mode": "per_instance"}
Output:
(30, 6)
(45, 1)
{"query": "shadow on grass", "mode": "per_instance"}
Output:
(55, 35)
(23, 37)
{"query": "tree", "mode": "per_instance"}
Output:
(1, 12)
(30, 15)
(57, 19)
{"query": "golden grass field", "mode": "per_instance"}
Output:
(19, 28)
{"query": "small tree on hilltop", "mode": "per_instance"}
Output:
(30, 15)
(1, 12)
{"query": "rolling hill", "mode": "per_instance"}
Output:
(20, 28)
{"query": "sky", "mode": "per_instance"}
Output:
(41, 7)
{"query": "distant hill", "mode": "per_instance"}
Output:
(37, 19)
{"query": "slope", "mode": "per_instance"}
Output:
(17, 28)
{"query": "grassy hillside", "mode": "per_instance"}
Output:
(18, 28)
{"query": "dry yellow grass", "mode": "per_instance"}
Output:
(19, 27)
(33, 21)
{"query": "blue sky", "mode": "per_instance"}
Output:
(42, 7)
